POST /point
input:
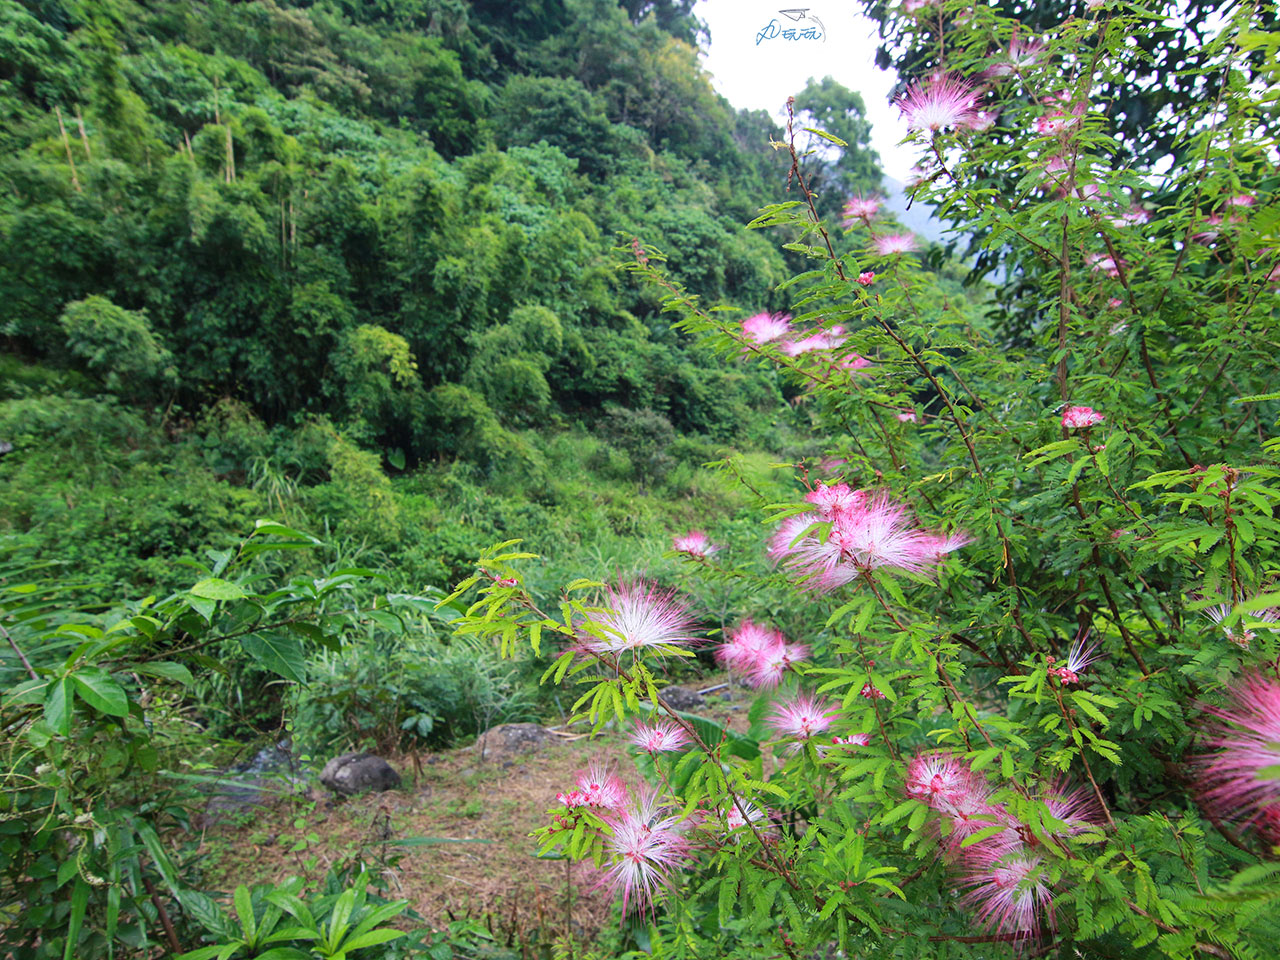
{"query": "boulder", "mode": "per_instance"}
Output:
(511, 739)
(354, 773)
(682, 698)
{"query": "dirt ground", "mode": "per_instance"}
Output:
(453, 839)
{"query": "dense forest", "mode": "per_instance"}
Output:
(353, 263)
(467, 491)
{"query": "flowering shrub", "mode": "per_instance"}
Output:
(1008, 728)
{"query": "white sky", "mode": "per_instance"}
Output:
(762, 76)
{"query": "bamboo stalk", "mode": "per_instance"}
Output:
(84, 137)
(66, 142)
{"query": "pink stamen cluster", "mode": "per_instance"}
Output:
(945, 101)
(767, 327)
(640, 615)
(853, 740)
(1101, 263)
(860, 209)
(733, 817)
(598, 788)
(864, 532)
(695, 543)
(1242, 637)
(1075, 418)
(866, 278)
(646, 844)
(1078, 658)
(887, 244)
(1240, 780)
(1131, 217)
(1065, 115)
(660, 736)
(1023, 54)
(814, 340)
(1003, 873)
(761, 654)
(801, 718)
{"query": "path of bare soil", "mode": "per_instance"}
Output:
(484, 809)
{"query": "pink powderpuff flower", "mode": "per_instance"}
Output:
(1114, 302)
(661, 736)
(733, 817)
(1102, 263)
(945, 101)
(969, 811)
(695, 543)
(829, 464)
(1007, 886)
(939, 779)
(1076, 807)
(982, 121)
(1022, 55)
(915, 6)
(1241, 636)
(866, 278)
(771, 664)
(907, 416)
(852, 740)
(832, 499)
(1131, 217)
(877, 535)
(645, 846)
(746, 643)
(871, 692)
(887, 244)
(766, 327)
(1208, 237)
(791, 534)
(1078, 658)
(1074, 418)
(860, 209)
(1240, 200)
(938, 546)
(641, 615)
(598, 787)
(1240, 781)
(816, 340)
(854, 363)
(801, 718)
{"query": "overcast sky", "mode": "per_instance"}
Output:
(761, 76)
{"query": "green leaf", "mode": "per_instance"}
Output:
(166, 670)
(79, 901)
(832, 138)
(261, 527)
(279, 653)
(98, 690)
(57, 706)
(215, 588)
(372, 938)
(244, 910)
(982, 834)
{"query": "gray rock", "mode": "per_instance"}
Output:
(354, 773)
(682, 698)
(511, 739)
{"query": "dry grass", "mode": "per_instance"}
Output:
(492, 875)
(491, 806)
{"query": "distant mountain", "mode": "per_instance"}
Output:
(919, 218)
